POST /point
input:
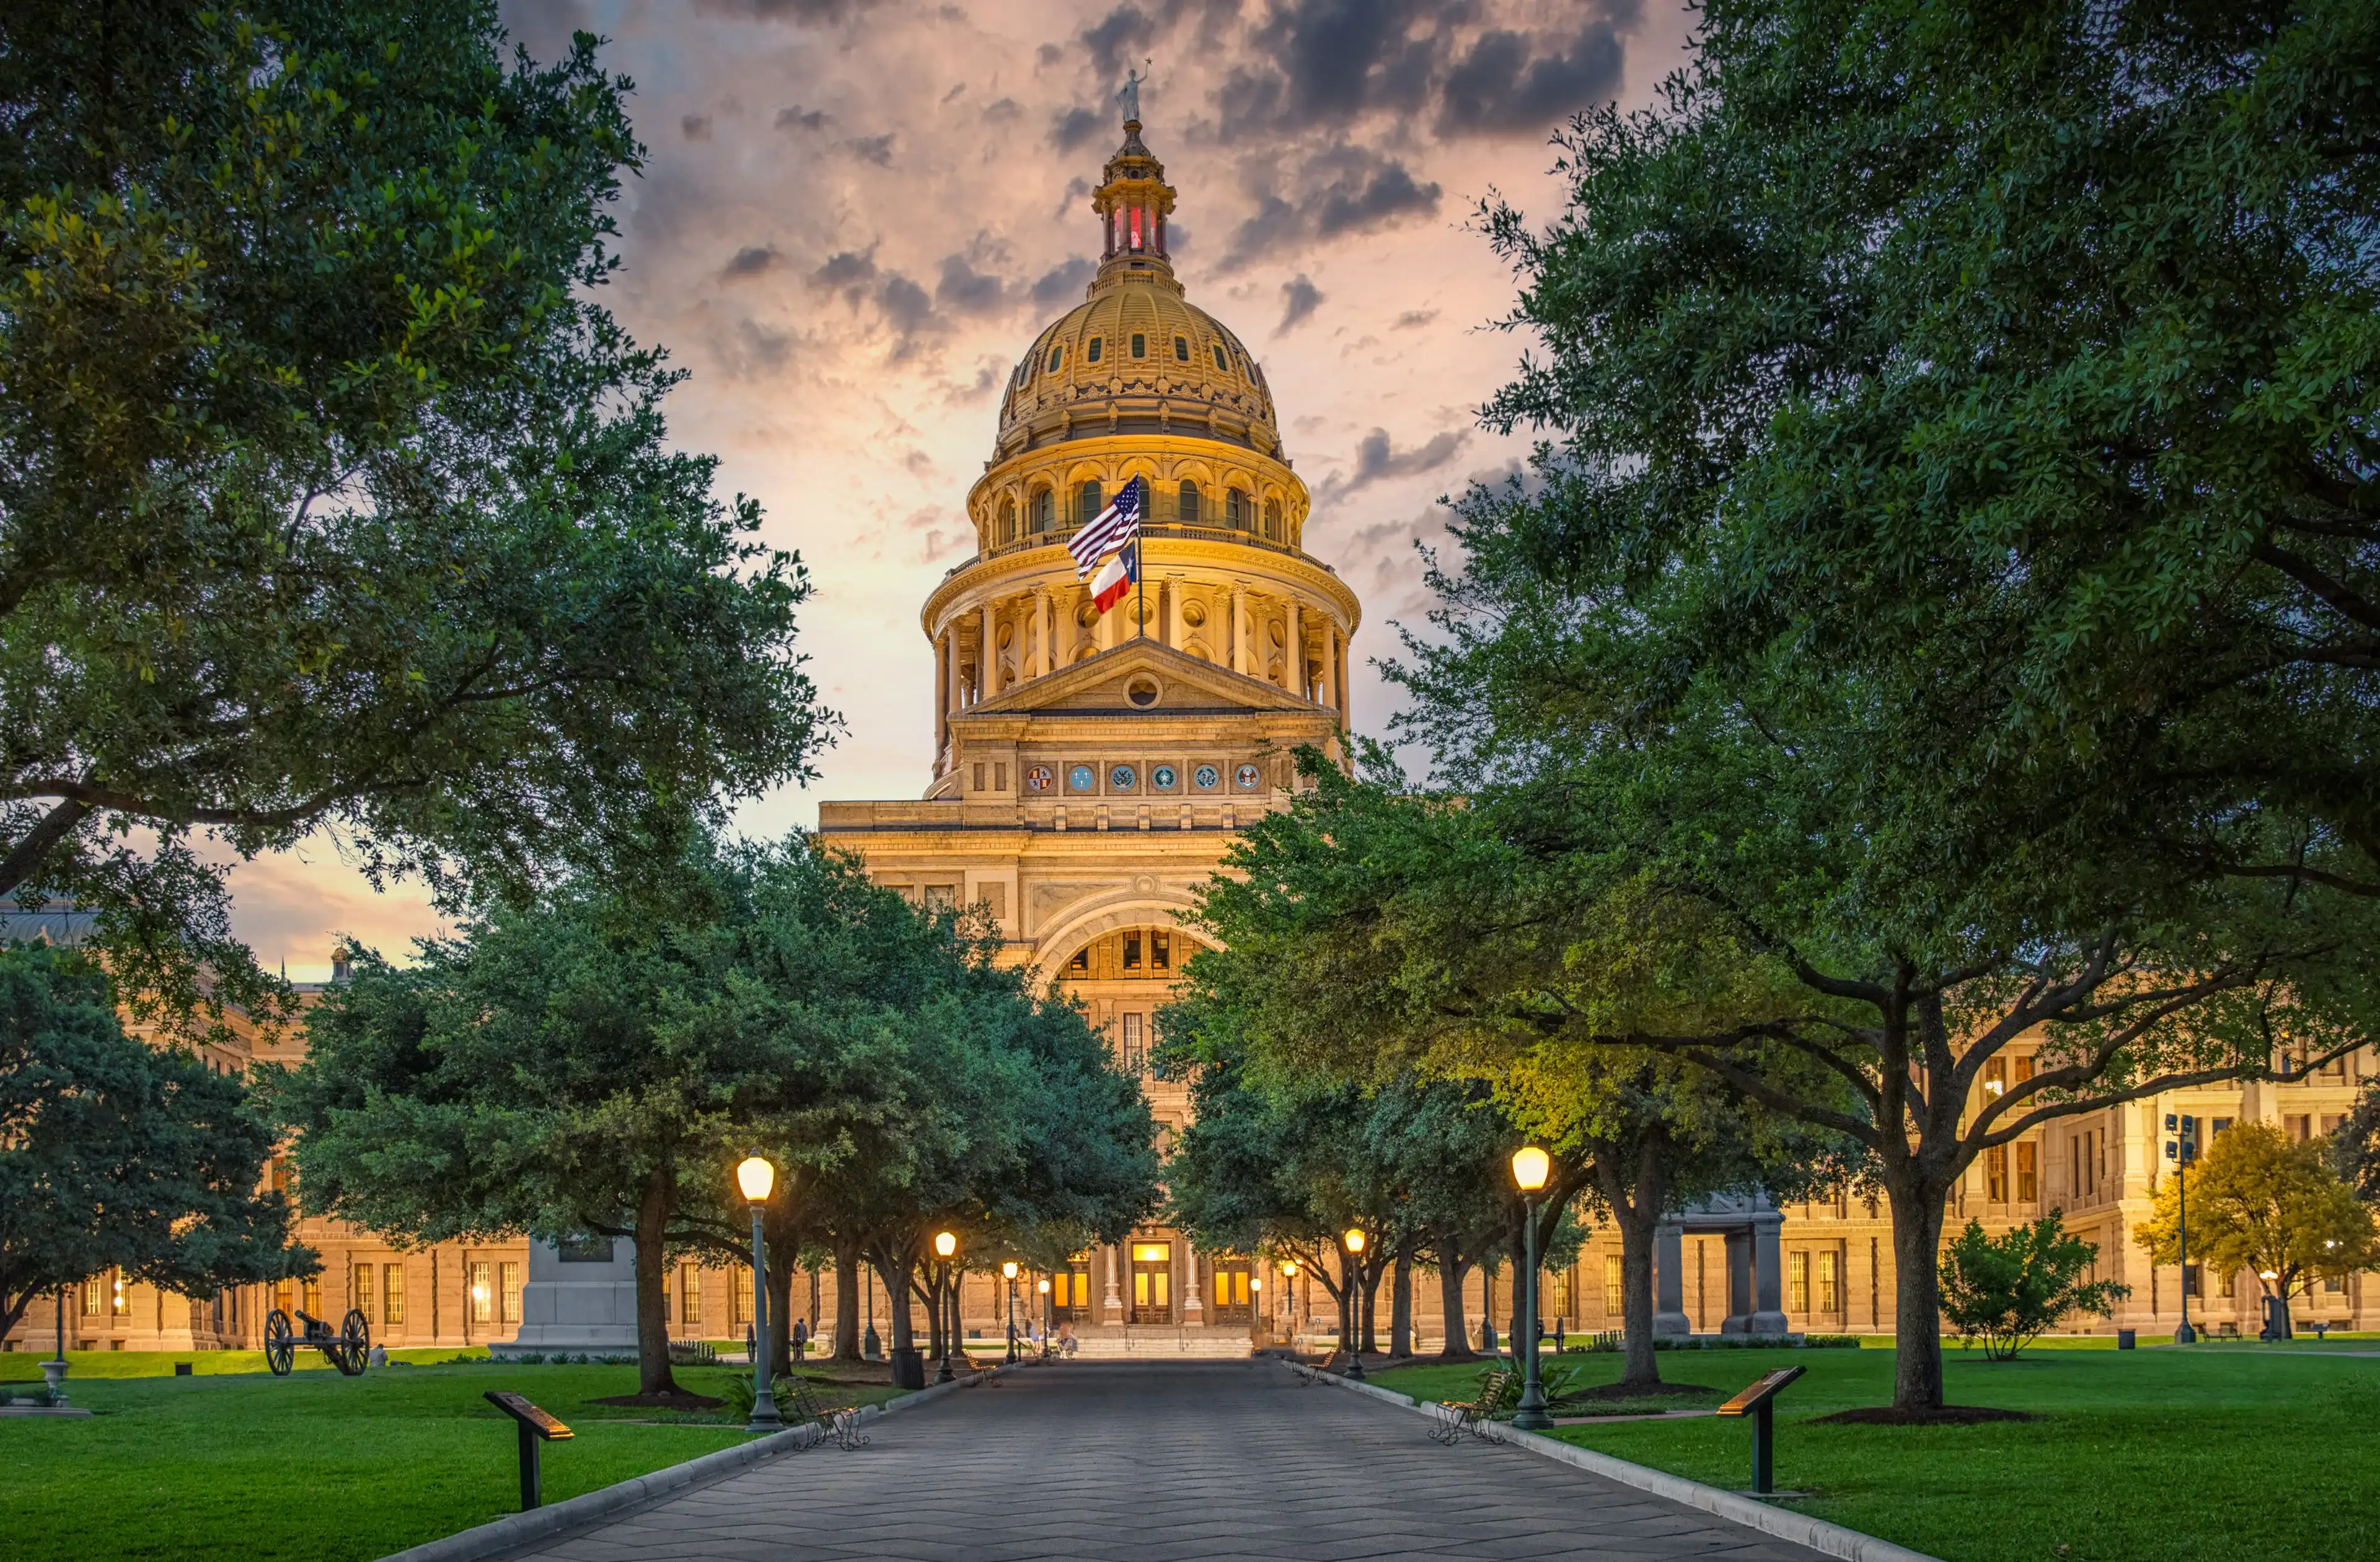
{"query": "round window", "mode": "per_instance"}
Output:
(1142, 692)
(1122, 777)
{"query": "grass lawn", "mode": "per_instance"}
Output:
(315, 1466)
(2202, 1455)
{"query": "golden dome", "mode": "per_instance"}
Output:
(1135, 356)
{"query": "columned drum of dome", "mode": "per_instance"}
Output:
(1089, 769)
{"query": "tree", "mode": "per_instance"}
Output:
(332, 498)
(2264, 1202)
(2008, 1290)
(117, 1155)
(1840, 345)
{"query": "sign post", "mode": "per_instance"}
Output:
(535, 1426)
(1759, 1402)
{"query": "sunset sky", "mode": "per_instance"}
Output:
(853, 217)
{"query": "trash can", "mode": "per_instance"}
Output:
(2124, 1340)
(908, 1367)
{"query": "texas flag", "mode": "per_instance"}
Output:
(1118, 576)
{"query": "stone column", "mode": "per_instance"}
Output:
(1739, 1283)
(953, 687)
(1062, 609)
(1293, 650)
(1111, 1309)
(1669, 1281)
(1041, 665)
(987, 676)
(1331, 663)
(1239, 626)
(1173, 625)
(941, 700)
(1768, 1277)
(1192, 1310)
(1344, 720)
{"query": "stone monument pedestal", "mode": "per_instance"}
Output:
(580, 1297)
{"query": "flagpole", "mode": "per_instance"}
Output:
(1140, 580)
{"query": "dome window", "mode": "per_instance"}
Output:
(1272, 520)
(1189, 497)
(1045, 509)
(1220, 361)
(1090, 498)
(1091, 353)
(1057, 357)
(1181, 349)
(1140, 346)
(1007, 522)
(1235, 509)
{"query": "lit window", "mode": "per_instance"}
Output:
(1136, 1042)
(1132, 952)
(94, 1293)
(1829, 1284)
(360, 1290)
(392, 1305)
(483, 1296)
(1797, 1269)
(1161, 950)
(509, 1276)
(1082, 960)
(1091, 353)
(739, 1296)
(1615, 1286)
(2028, 1172)
(1996, 1174)
(690, 1294)
(311, 1290)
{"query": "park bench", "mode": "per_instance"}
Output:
(1469, 1415)
(838, 1421)
(1307, 1373)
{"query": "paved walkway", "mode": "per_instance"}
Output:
(1163, 1463)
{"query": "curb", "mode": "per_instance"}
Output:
(1831, 1540)
(498, 1536)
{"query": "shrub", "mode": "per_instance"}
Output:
(2008, 1290)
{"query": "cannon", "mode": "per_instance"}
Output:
(345, 1349)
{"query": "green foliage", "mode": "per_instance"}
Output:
(114, 1154)
(332, 498)
(2006, 1290)
(2264, 1202)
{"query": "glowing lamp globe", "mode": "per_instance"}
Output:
(757, 1177)
(1288, 1268)
(1353, 1238)
(1530, 1168)
(945, 1244)
(1256, 1282)
(1045, 1287)
(1008, 1269)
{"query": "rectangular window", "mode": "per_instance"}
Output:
(1132, 952)
(2028, 1172)
(509, 1280)
(1797, 1271)
(690, 1294)
(2330, 1124)
(999, 775)
(483, 1296)
(941, 897)
(1996, 1174)
(2022, 1068)
(1161, 950)
(1995, 1075)
(94, 1296)
(1615, 1288)
(311, 1290)
(1082, 960)
(360, 1290)
(2299, 1126)
(391, 1294)
(1830, 1291)
(1136, 1043)
(1139, 340)
(739, 1295)
(978, 775)
(285, 1294)
(2217, 1128)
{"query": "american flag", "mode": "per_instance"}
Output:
(1114, 526)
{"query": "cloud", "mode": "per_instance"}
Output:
(1115, 36)
(873, 148)
(803, 12)
(1414, 320)
(1063, 284)
(1387, 195)
(695, 127)
(904, 304)
(1500, 88)
(1069, 131)
(1300, 299)
(1376, 458)
(755, 351)
(798, 118)
(967, 291)
(1003, 110)
(750, 261)
(1342, 189)
(848, 269)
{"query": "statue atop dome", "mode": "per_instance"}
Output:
(1129, 95)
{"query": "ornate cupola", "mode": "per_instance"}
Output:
(1133, 201)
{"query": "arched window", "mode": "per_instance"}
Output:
(1007, 522)
(1181, 349)
(1220, 361)
(1091, 353)
(1088, 503)
(1273, 519)
(1057, 357)
(1140, 346)
(1189, 503)
(1045, 509)
(1235, 509)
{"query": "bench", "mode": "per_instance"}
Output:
(838, 1421)
(1469, 1415)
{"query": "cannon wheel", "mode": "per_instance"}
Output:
(354, 1343)
(280, 1349)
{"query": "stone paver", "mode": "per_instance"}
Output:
(1141, 1462)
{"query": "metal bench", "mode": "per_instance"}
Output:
(1469, 1415)
(1307, 1373)
(838, 1421)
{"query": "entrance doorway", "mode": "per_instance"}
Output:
(1152, 1282)
(1070, 1291)
(1232, 1298)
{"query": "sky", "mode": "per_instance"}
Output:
(852, 216)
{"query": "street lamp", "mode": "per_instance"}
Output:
(1354, 1241)
(1008, 1273)
(945, 1244)
(1530, 1168)
(1049, 1317)
(758, 1179)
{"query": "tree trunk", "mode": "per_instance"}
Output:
(1917, 1293)
(846, 1302)
(929, 1291)
(1451, 1271)
(895, 1277)
(780, 1313)
(1401, 1342)
(653, 1213)
(1636, 1210)
(1349, 1280)
(1369, 1276)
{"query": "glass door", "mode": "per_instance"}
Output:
(1070, 1292)
(1231, 1301)
(1152, 1282)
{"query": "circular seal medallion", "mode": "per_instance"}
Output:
(1082, 778)
(1039, 778)
(1123, 778)
(1162, 778)
(1206, 777)
(1247, 776)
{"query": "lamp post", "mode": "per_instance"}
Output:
(1530, 1167)
(1049, 1315)
(1354, 1343)
(945, 1302)
(757, 1177)
(1008, 1273)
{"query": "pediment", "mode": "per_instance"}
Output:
(1100, 683)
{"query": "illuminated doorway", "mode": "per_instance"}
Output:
(1152, 1282)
